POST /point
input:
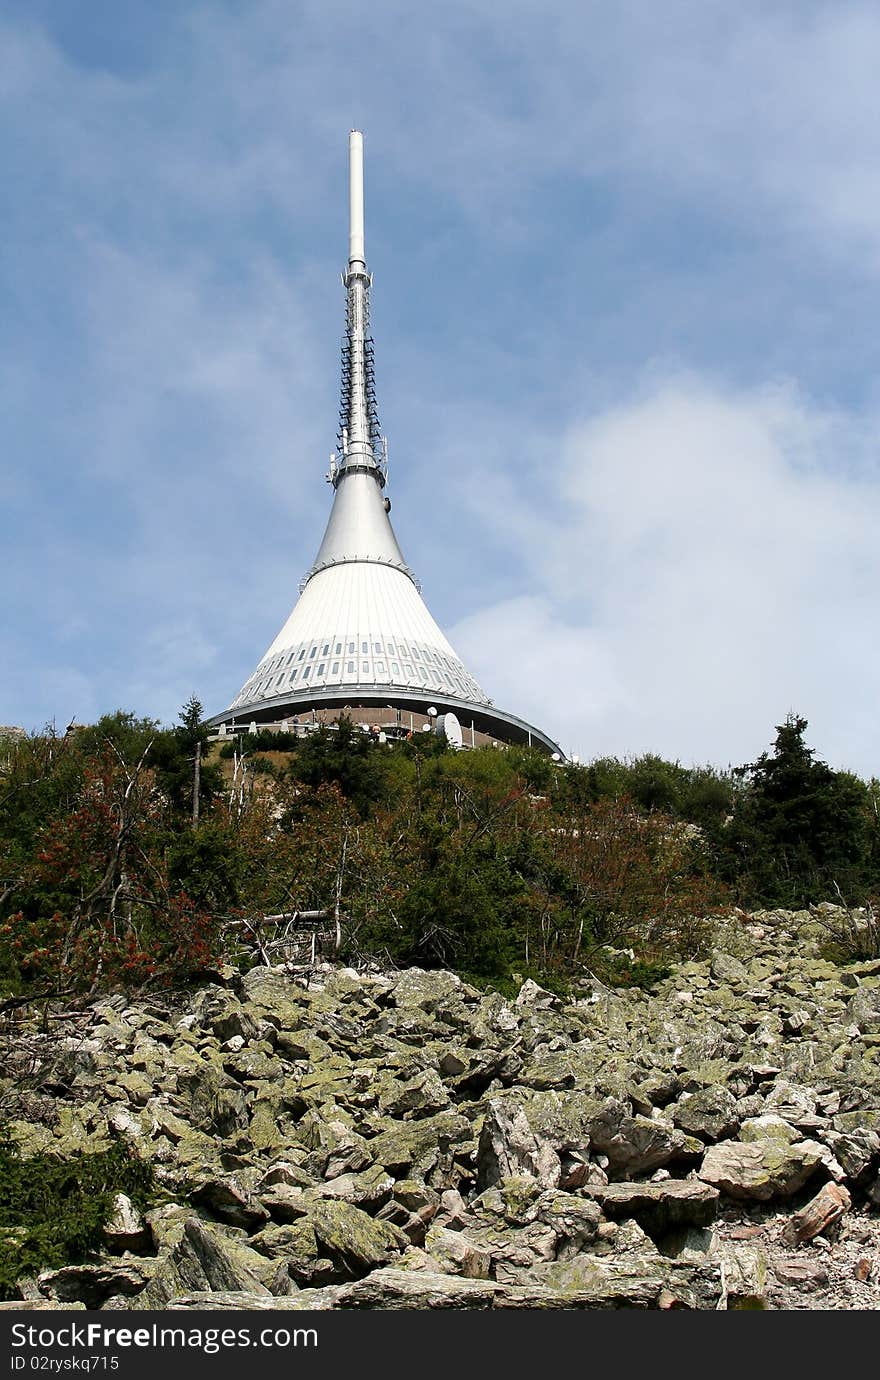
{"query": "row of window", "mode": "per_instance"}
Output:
(351, 647)
(270, 682)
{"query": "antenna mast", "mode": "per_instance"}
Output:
(359, 441)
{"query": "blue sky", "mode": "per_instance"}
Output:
(626, 263)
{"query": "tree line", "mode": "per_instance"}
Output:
(121, 864)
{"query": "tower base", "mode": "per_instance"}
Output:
(397, 715)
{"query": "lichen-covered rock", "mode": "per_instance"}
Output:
(422, 1289)
(322, 1132)
(350, 1237)
(334, 1147)
(769, 1126)
(369, 1190)
(296, 1246)
(743, 1276)
(125, 1229)
(226, 1301)
(633, 1144)
(710, 1114)
(421, 1096)
(217, 1104)
(92, 1285)
(761, 1170)
(456, 1254)
(203, 1257)
(419, 1144)
(429, 990)
(508, 1146)
(659, 1208)
(231, 1199)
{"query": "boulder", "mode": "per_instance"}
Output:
(710, 1114)
(818, 1215)
(217, 1104)
(419, 1144)
(231, 1200)
(227, 1301)
(417, 1289)
(202, 1258)
(659, 1208)
(633, 1144)
(508, 1146)
(422, 1096)
(91, 1285)
(761, 1170)
(126, 1229)
(351, 1238)
(457, 1255)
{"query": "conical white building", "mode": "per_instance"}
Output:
(360, 638)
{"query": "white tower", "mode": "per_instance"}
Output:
(360, 637)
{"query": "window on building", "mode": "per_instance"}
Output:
(302, 654)
(377, 646)
(312, 652)
(395, 668)
(334, 669)
(320, 670)
(307, 672)
(350, 668)
(380, 668)
(338, 648)
(351, 647)
(365, 666)
(365, 646)
(293, 675)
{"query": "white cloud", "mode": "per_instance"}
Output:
(717, 570)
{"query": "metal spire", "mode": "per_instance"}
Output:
(358, 528)
(359, 441)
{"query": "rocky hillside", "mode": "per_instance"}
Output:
(402, 1140)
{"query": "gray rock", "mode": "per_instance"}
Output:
(351, 1238)
(420, 1144)
(422, 1096)
(422, 1289)
(456, 1254)
(633, 1144)
(760, 1170)
(659, 1208)
(857, 1153)
(369, 1190)
(508, 1146)
(203, 1258)
(744, 1277)
(126, 1229)
(863, 1009)
(429, 990)
(91, 1285)
(710, 1114)
(226, 1301)
(216, 1102)
(296, 1248)
(725, 968)
(39, 1306)
(231, 1200)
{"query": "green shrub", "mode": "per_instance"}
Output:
(52, 1211)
